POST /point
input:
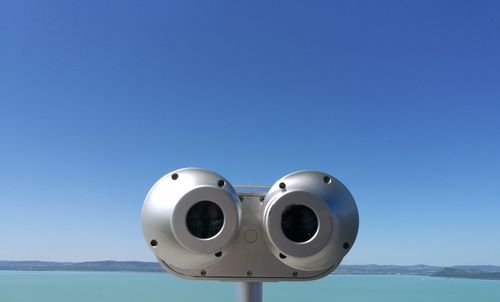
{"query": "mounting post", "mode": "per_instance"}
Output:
(249, 292)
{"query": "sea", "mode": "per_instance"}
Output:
(21, 286)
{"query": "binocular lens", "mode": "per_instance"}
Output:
(204, 219)
(299, 223)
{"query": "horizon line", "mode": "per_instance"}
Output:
(143, 261)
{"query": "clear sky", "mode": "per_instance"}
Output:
(400, 100)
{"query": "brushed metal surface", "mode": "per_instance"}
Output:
(337, 214)
(251, 246)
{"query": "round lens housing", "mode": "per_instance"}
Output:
(299, 223)
(204, 219)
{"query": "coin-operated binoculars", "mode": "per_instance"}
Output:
(201, 227)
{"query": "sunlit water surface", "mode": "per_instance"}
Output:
(106, 286)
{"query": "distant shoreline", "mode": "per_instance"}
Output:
(485, 272)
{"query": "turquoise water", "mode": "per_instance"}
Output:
(89, 286)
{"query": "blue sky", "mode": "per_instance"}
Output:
(400, 100)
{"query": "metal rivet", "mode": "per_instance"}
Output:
(203, 272)
(249, 273)
(346, 245)
(221, 183)
(154, 243)
(282, 185)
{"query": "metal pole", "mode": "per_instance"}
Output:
(249, 292)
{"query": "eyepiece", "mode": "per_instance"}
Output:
(204, 219)
(299, 223)
(310, 220)
(191, 216)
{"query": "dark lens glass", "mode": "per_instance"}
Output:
(299, 223)
(204, 219)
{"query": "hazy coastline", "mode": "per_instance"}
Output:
(489, 272)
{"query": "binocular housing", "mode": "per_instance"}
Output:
(200, 227)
